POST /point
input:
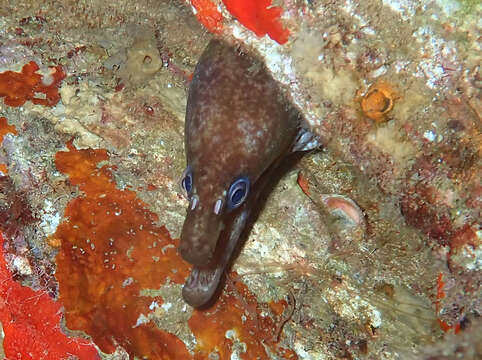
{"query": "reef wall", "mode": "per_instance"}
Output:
(367, 248)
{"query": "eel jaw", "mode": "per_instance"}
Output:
(203, 281)
(201, 285)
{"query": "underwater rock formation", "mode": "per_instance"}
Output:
(369, 247)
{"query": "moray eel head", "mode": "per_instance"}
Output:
(238, 127)
(209, 208)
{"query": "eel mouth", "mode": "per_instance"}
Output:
(202, 283)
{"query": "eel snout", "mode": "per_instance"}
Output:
(199, 236)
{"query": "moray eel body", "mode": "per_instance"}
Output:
(238, 128)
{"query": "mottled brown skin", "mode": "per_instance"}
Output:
(237, 124)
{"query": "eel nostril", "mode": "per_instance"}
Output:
(218, 206)
(194, 201)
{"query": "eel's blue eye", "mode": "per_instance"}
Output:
(186, 182)
(238, 192)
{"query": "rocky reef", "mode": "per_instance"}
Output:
(367, 248)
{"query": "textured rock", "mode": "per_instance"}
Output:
(387, 290)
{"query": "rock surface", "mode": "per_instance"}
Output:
(367, 248)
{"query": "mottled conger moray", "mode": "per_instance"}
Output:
(239, 127)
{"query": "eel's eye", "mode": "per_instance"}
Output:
(186, 181)
(238, 191)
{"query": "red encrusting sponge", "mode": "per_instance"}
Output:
(208, 14)
(31, 323)
(260, 17)
(256, 15)
(19, 87)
